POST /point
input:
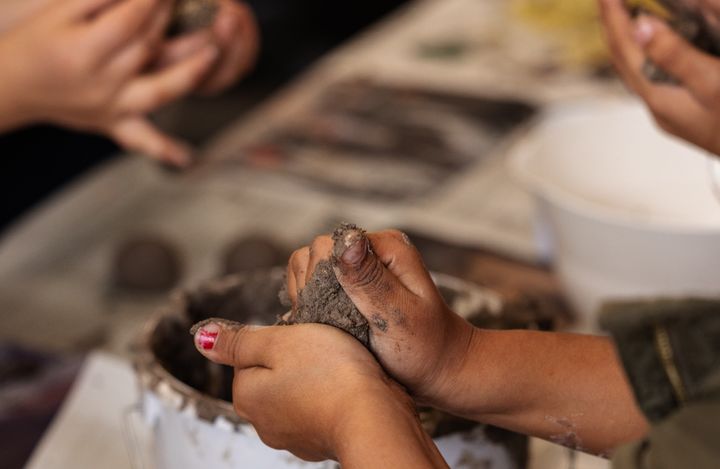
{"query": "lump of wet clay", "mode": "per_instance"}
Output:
(252, 253)
(148, 263)
(323, 300)
(191, 15)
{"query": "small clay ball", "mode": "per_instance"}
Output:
(146, 263)
(191, 15)
(253, 253)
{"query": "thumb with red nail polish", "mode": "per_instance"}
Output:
(224, 342)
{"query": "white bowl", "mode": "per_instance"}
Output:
(628, 211)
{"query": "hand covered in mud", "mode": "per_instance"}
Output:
(690, 111)
(413, 333)
(308, 388)
(234, 33)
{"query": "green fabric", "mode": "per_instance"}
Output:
(684, 409)
(690, 438)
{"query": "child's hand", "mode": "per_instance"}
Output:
(79, 63)
(689, 111)
(317, 392)
(414, 334)
(236, 36)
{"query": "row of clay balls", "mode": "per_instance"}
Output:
(152, 263)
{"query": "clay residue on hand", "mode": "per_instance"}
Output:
(323, 299)
(224, 323)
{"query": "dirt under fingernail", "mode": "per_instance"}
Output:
(347, 236)
(225, 323)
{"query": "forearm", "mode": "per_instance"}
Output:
(567, 388)
(387, 435)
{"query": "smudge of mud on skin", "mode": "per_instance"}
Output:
(569, 437)
(379, 322)
(224, 323)
(398, 318)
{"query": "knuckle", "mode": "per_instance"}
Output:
(369, 276)
(233, 345)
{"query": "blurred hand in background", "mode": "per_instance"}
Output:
(690, 111)
(90, 65)
(235, 34)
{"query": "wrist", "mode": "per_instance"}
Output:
(471, 378)
(455, 366)
(384, 430)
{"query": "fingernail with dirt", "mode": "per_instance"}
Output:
(323, 299)
(351, 245)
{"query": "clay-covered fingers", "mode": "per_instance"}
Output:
(237, 35)
(627, 55)
(138, 134)
(320, 250)
(235, 345)
(153, 90)
(296, 273)
(697, 71)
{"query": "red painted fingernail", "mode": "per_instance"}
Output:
(206, 339)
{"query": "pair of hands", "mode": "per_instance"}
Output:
(311, 371)
(104, 65)
(330, 386)
(691, 110)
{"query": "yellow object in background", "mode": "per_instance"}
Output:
(651, 6)
(574, 23)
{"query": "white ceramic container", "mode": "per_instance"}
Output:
(627, 211)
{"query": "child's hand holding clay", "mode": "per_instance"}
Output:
(81, 64)
(413, 333)
(317, 392)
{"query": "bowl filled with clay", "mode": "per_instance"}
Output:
(186, 400)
